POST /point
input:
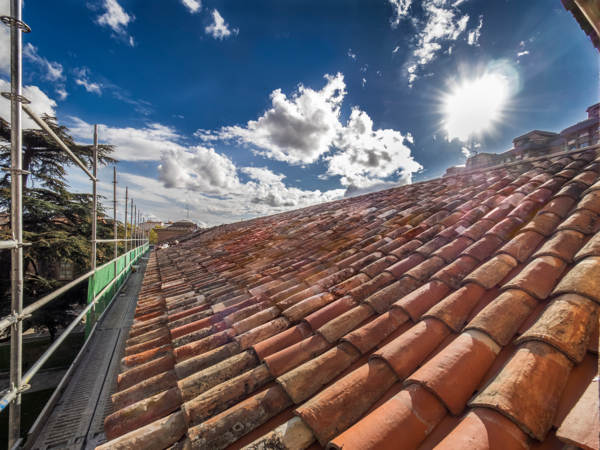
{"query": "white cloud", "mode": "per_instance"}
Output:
(350, 54)
(400, 9)
(263, 174)
(396, 49)
(523, 53)
(132, 144)
(365, 156)
(40, 102)
(475, 33)
(364, 81)
(443, 22)
(117, 20)
(296, 130)
(303, 129)
(193, 5)
(466, 152)
(4, 39)
(51, 71)
(199, 169)
(204, 171)
(82, 79)
(219, 29)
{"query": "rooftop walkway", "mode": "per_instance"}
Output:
(77, 420)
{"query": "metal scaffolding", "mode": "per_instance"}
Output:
(18, 382)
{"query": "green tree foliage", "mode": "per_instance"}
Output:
(152, 237)
(56, 222)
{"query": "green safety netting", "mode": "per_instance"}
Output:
(104, 276)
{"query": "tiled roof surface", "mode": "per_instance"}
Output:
(456, 313)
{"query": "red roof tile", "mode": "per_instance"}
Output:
(292, 331)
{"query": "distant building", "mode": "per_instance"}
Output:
(177, 229)
(540, 143)
(149, 225)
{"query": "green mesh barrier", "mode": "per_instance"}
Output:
(103, 276)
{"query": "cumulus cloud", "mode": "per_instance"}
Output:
(202, 170)
(443, 22)
(193, 5)
(199, 169)
(306, 128)
(365, 156)
(400, 10)
(40, 102)
(132, 144)
(295, 130)
(219, 29)
(519, 54)
(475, 33)
(350, 54)
(116, 19)
(82, 79)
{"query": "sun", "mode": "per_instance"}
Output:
(474, 106)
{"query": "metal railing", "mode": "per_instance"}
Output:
(99, 287)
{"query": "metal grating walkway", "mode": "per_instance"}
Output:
(77, 421)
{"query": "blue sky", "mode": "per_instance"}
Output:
(241, 108)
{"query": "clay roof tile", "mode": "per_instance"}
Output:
(502, 317)
(538, 370)
(456, 307)
(492, 272)
(583, 279)
(567, 324)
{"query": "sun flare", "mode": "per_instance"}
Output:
(474, 106)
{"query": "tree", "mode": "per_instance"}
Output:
(55, 221)
(152, 237)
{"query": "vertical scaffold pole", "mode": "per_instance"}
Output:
(94, 219)
(16, 214)
(126, 205)
(115, 217)
(95, 200)
(135, 227)
(131, 222)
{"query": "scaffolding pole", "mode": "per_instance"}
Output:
(126, 198)
(135, 226)
(115, 217)
(131, 223)
(16, 214)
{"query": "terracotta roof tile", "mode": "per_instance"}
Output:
(584, 279)
(370, 335)
(407, 352)
(455, 372)
(543, 224)
(502, 318)
(580, 428)
(215, 306)
(492, 272)
(538, 370)
(416, 303)
(336, 408)
(581, 376)
(539, 277)
(413, 409)
(382, 300)
(454, 309)
(567, 324)
(485, 429)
